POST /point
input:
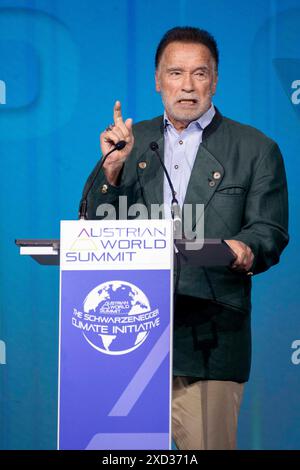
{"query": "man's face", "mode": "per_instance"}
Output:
(187, 79)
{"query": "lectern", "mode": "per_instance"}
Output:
(115, 338)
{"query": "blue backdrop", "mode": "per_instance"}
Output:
(63, 63)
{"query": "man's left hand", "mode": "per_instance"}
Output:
(244, 255)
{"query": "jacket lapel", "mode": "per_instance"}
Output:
(205, 178)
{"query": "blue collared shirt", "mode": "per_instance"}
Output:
(180, 153)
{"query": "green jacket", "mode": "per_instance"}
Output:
(248, 202)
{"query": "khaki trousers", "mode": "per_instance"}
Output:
(205, 414)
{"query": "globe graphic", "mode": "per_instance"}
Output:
(118, 305)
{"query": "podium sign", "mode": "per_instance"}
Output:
(115, 361)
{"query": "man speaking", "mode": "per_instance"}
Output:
(238, 174)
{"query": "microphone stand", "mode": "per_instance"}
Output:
(175, 207)
(176, 216)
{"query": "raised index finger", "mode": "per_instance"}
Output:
(117, 112)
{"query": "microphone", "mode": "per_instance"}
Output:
(82, 215)
(175, 207)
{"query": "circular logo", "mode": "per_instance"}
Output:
(117, 318)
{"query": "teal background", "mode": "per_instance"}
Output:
(64, 63)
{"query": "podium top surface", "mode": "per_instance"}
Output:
(37, 242)
(44, 251)
(209, 252)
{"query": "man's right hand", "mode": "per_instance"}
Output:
(117, 131)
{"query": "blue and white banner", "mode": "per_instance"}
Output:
(115, 335)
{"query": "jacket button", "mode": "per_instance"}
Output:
(211, 183)
(216, 175)
(104, 188)
(142, 165)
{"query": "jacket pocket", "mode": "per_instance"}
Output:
(231, 190)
